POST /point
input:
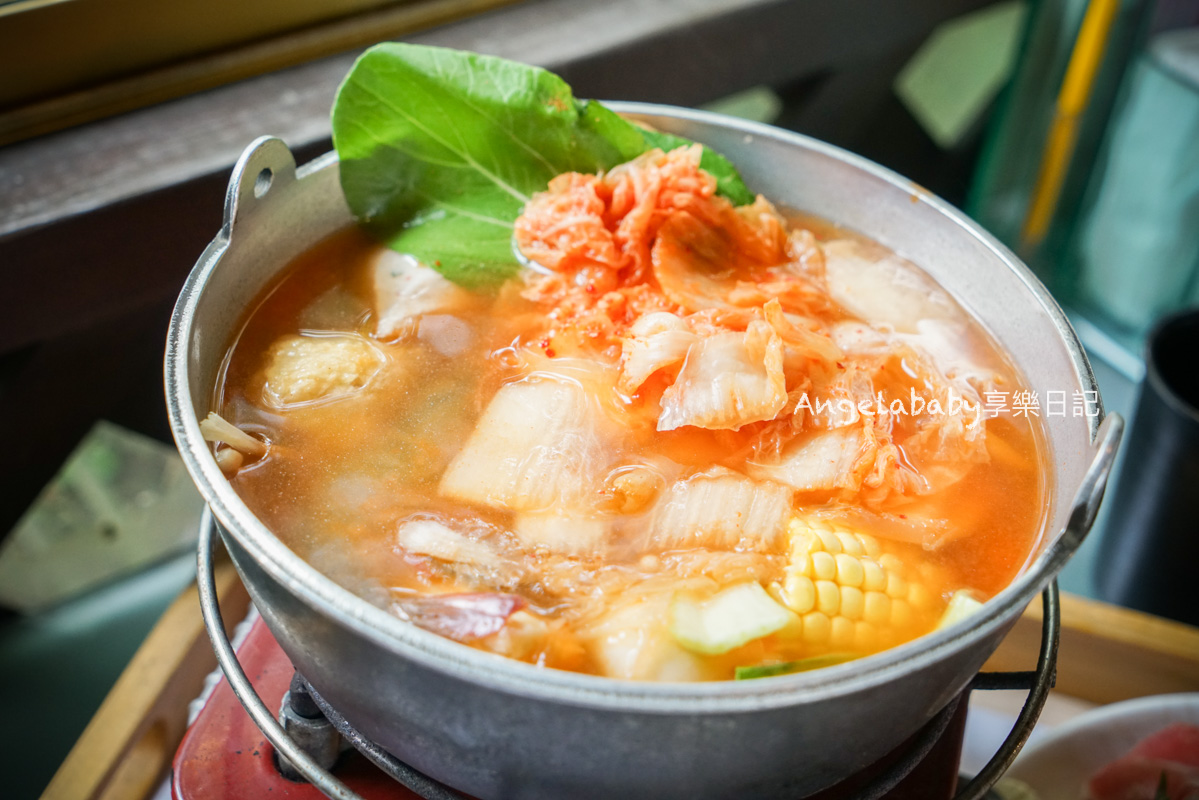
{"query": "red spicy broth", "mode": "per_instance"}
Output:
(388, 483)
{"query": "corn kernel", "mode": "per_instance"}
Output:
(849, 570)
(776, 592)
(849, 593)
(817, 627)
(877, 609)
(793, 629)
(828, 597)
(873, 577)
(841, 633)
(920, 597)
(870, 545)
(829, 541)
(865, 636)
(850, 544)
(852, 602)
(805, 541)
(800, 593)
(824, 566)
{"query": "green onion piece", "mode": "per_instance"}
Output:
(803, 665)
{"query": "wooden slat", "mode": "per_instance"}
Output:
(127, 747)
(683, 52)
(1108, 653)
(118, 210)
(229, 65)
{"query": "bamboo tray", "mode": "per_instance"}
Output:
(1107, 654)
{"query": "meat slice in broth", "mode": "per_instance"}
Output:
(881, 287)
(405, 289)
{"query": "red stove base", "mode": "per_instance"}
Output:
(224, 756)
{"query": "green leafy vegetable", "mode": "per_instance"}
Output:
(803, 665)
(728, 180)
(440, 149)
(1163, 788)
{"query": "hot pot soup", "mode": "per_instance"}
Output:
(687, 441)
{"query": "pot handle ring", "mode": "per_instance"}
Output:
(1038, 684)
(1086, 499)
(231, 667)
(266, 165)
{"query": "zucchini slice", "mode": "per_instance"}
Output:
(727, 619)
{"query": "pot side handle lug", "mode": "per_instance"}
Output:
(263, 170)
(1089, 494)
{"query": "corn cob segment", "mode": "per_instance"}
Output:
(851, 593)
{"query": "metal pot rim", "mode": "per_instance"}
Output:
(522, 679)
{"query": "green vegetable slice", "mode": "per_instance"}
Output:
(962, 605)
(727, 619)
(789, 667)
(440, 149)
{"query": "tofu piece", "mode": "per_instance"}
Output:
(308, 369)
(405, 289)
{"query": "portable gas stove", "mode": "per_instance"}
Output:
(229, 753)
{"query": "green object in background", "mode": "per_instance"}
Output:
(90, 567)
(960, 69)
(121, 502)
(757, 104)
(60, 664)
(1138, 239)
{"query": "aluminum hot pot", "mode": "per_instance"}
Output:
(494, 727)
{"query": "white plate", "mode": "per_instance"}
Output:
(1058, 765)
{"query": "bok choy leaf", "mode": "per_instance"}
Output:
(440, 150)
